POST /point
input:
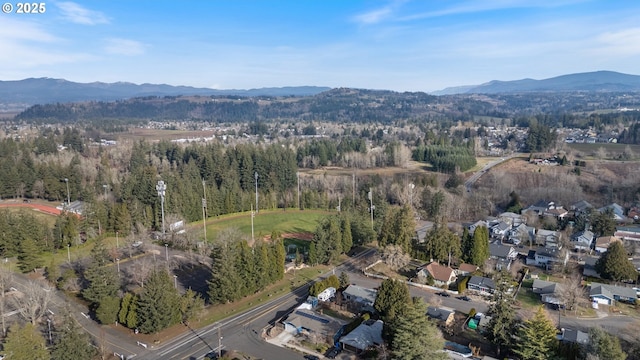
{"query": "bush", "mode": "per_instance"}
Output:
(462, 285)
(472, 312)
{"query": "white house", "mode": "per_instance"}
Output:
(583, 240)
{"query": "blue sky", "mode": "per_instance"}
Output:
(403, 45)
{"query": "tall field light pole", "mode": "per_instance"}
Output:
(161, 187)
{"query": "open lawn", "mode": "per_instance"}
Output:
(49, 219)
(290, 221)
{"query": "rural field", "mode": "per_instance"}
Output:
(295, 223)
(612, 149)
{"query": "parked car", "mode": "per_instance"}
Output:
(333, 353)
(464, 298)
(443, 293)
(311, 357)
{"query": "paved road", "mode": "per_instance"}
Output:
(471, 180)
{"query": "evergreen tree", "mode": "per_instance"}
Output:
(25, 343)
(409, 344)
(159, 303)
(614, 264)
(480, 250)
(279, 257)
(603, 223)
(132, 314)
(125, 304)
(191, 305)
(71, 341)
(103, 282)
(604, 346)
(313, 254)
(344, 280)
(502, 324)
(225, 281)
(536, 338)
(392, 299)
(107, 310)
(466, 245)
(347, 239)
(28, 257)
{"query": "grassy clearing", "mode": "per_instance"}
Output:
(610, 148)
(528, 299)
(289, 221)
(48, 219)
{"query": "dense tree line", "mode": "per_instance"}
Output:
(446, 158)
(540, 137)
(337, 234)
(240, 270)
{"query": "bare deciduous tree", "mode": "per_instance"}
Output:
(32, 304)
(395, 257)
(571, 292)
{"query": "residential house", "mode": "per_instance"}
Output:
(603, 242)
(583, 240)
(472, 228)
(548, 291)
(327, 294)
(522, 234)
(360, 295)
(504, 255)
(581, 207)
(306, 321)
(443, 315)
(442, 275)
(589, 267)
(548, 257)
(482, 285)
(548, 238)
(617, 210)
(628, 233)
(574, 337)
(499, 230)
(634, 212)
(367, 335)
(511, 218)
(556, 211)
(538, 208)
(609, 294)
(466, 269)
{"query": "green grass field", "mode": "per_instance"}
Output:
(49, 219)
(289, 221)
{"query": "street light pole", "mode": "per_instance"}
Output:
(411, 187)
(49, 324)
(118, 262)
(162, 188)
(117, 241)
(66, 180)
(204, 208)
(372, 207)
(256, 176)
(175, 281)
(105, 191)
(298, 175)
(166, 251)
(252, 215)
(69, 253)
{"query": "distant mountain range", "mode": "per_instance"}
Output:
(590, 81)
(46, 90)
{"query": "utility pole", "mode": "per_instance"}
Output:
(204, 208)
(353, 188)
(252, 215)
(256, 176)
(298, 175)
(411, 187)
(66, 180)
(371, 206)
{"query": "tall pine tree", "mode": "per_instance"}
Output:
(71, 341)
(536, 338)
(159, 303)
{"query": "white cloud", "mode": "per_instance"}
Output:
(622, 42)
(81, 15)
(378, 15)
(119, 46)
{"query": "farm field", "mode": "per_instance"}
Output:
(287, 222)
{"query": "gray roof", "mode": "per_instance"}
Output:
(611, 291)
(482, 282)
(575, 336)
(544, 287)
(312, 321)
(581, 206)
(500, 251)
(367, 334)
(439, 313)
